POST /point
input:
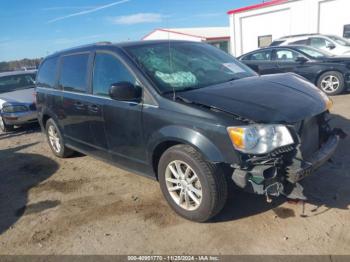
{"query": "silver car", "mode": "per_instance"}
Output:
(17, 100)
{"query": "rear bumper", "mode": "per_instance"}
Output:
(20, 118)
(301, 168)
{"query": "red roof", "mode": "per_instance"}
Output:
(257, 6)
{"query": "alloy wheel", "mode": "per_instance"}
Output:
(183, 185)
(2, 124)
(330, 83)
(54, 138)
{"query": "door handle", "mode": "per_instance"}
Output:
(79, 105)
(94, 108)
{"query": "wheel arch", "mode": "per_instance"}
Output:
(325, 71)
(44, 119)
(46, 115)
(173, 135)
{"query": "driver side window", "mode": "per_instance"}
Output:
(285, 55)
(107, 71)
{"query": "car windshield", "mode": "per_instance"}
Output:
(314, 53)
(339, 40)
(16, 82)
(181, 66)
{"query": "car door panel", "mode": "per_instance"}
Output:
(73, 81)
(307, 69)
(261, 62)
(122, 119)
(263, 67)
(123, 123)
(83, 118)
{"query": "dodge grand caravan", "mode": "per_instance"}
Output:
(188, 115)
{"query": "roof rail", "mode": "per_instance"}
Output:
(103, 43)
(81, 46)
(289, 36)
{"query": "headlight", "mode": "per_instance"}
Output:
(327, 100)
(14, 108)
(259, 139)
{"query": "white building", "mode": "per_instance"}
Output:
(217, 36)
(256, 26)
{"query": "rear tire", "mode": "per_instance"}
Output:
(4, 127)
(332, 83)
(55, 139)
(200, 191)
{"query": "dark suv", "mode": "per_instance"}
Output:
(185, 114)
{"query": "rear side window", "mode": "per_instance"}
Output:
(107, 71)
(259, 56)
(47, 73)
(73, 76)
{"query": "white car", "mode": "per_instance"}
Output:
(335, 45)
(17, 102)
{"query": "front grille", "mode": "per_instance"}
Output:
(309, 137)
(283, 150)
(32, 107)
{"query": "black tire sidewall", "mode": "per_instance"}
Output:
(341, 82)
(202, 213)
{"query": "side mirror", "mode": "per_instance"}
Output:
(301, 60)
(125, 91)
(330, 46)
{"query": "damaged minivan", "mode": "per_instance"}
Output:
(188, 115)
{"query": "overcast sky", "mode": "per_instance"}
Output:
(36, 28)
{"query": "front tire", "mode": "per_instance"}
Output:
(332, 83)
(4, 127)
(193, 187)
(55, 139)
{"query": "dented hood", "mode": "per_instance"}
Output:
(281, 98)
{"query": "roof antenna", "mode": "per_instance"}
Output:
(170, 58)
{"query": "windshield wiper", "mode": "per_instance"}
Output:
(190, 88)
(231, 79)
(181, 90)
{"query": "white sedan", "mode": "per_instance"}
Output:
(17, 101)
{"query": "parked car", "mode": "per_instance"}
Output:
(331, 43)
(188, 115)
(330, 74)
(17, 105)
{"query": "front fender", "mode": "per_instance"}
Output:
(188, 136)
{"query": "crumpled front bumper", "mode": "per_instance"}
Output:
(276, 175)
(302, 168)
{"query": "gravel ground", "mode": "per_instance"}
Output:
(84, 206)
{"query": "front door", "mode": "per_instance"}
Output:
(287, 63)
(122, 119)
